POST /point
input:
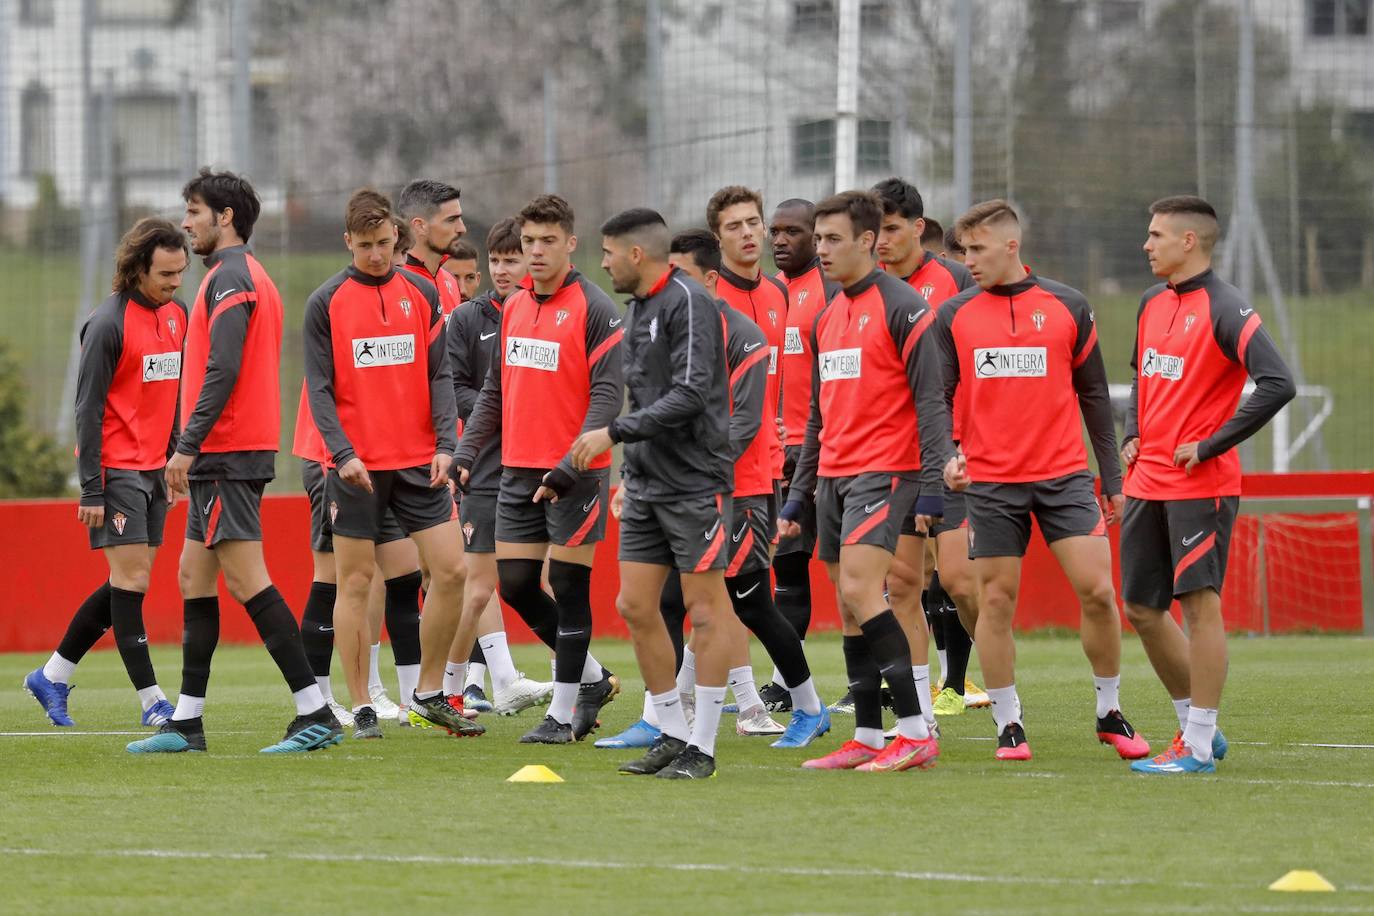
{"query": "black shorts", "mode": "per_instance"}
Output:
(956, 514)
(864, 509)
(477, 513)
(1172, 547)
(753, 530)
(404, 494)
(579, 517)
(225, 510)
(321, 531)
(135, 509)
(687, 534)
(999, 514)
(806, 541)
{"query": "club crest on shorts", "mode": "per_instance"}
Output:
(467, 532)
(927, 290)
(863, 322)
(560, 316)
(119, 520)
(405, 306)
(1188, 322)
(1038, 319)
(333, 512)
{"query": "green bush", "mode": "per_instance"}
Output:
(31, 464)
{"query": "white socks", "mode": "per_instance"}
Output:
(671, 720)
(943, 655)
(1006, 706)
(913, 727)
(150, 695)
(591, 670)
(1202, 726)
(710, 702)
(564, 696)
(741, 683)
(477, 676)
(326, 688)
(308, 699)
(1181, 708)
(499, 662)
(921, 675)
(1108, 694)
(870, 737)
(687, 674)
(805, 697)
(650, 714)
(58, 669)
(455, 673)
(189, 707)
(374, 677)
(408, 677)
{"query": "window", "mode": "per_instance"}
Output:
(813, 146)
(1330, 18)
(36, 157)
(35, 12)
(147, 134)
(821, 17)
(156, 12)
(874, 146)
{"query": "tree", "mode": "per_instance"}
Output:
(31, 465)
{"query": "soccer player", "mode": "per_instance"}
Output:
(933, 237)
(1196, 341)
(126, 404)
(792, 233)
(434, 213)
(559, 376)
(902, 254)
(382, 399)
(876, 421)
(953, 250)
(1026, 350)
(463, 265)
(472, 350)
(230, 422)
(676, 480)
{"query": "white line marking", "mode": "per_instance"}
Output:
(67, 734)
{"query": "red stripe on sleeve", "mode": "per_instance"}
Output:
(603, 347)
(225, 305)
(1081, 356)
(759, 355)
(921, 324)
(1252, 325)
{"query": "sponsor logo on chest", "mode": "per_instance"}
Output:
(161, 367)
(841, 364)
(1010, 362)
(1161, 364)
(532, 353)
(375, 352)
(792, 342)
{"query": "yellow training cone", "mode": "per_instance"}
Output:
(535, 773)
(1298, 880)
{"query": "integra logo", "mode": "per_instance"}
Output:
(792, 342)
(1009, 362)
(841, 364)
(161, 367)
(532, 353)
(374, 352)
(1162, 365)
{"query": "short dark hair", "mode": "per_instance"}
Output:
(463, 251)
(989, 211)
(952, 241)
(424, 196)
(1188, 205)
(367, 209)
(405, 239)
(701, 244)
(135, 253)
(504, 238)
(728, 196)
(933, 233)
(548, 208)
(646, 228)
(901, 198)
(862, 208)
(222, 191)
(798, 203)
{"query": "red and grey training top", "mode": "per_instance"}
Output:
(1027, 357)
(473, 349)
(746, 359)
(875, 404)
(807, 294)
(450, 296)
(126, 388)
(938, 280)
(376, 372)
(230, 400)
(1195, 344)
(559, 376)
(763, 300)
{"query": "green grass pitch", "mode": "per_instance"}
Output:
(420, 822)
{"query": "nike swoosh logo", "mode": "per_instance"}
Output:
(219, 296)
(209, 504)
(588, 506)
(488, 336)
(1188, 542)
(740, 533)
(711, 532)
(142, 639)
(1246, 311)
(747, 592)
(326, 629)
(870, 509)
(750, 348)
(911, 318)
(614, 322)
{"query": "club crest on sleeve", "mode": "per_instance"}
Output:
(1038, 319)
